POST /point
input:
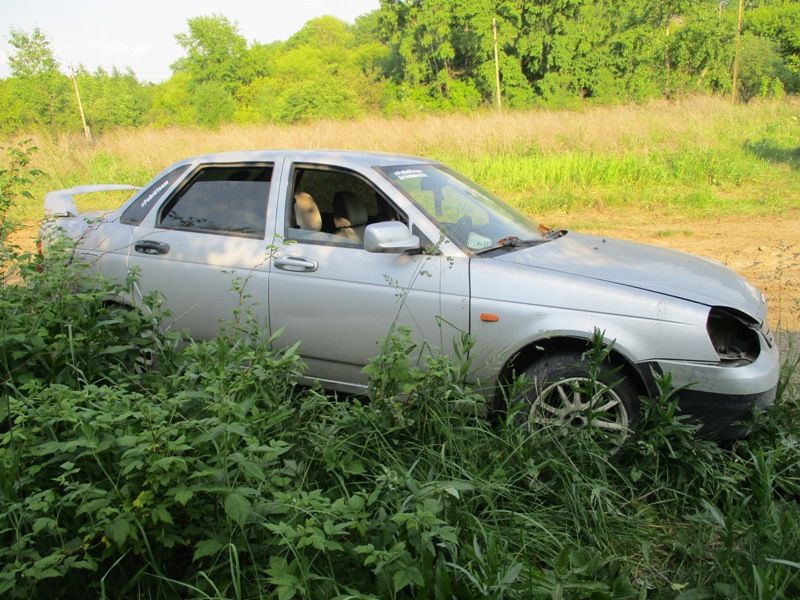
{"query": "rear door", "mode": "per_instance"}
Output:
(206, 251)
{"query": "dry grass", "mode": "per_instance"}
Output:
(628, 132)
(696, 121)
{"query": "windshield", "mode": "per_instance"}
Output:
(469, 215)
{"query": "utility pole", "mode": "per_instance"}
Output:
(86, 131)
(496, 66)
(738, 51)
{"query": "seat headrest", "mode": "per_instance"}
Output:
(306, 212)
(348, 210)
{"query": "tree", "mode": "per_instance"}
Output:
(33, 55)
(779, 21)
(569, 49)
(439, 50)
(112, 100)
(701, 50)
(44, 90)
(215, 52)
(213, 104)
(325, 70)
(172, 103)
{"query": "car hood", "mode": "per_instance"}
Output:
(645, 267)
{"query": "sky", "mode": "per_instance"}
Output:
(140, 34)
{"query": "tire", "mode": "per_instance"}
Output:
(562, 394)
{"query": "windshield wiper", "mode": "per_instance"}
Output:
(553, 234)
(511, 242)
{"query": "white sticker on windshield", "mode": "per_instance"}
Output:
(409, 174)
(477, 241)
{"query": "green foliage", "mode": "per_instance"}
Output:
(763, 73)
(112, 100)
(779, 21)
(322, 71)
(212, 104)
(32, 55)
(214, 475)
(215, 52)
(40, 90)
(435, 56)
(568, 49)
(16, 176)
(172, 102)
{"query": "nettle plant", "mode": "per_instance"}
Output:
(216, 476)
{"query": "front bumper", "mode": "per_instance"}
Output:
(723, 399)
(725, 417)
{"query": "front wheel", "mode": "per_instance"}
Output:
(565, 393)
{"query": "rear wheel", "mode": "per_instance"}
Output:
(567, 393)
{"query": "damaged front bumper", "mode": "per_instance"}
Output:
(723, 399)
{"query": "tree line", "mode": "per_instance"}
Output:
(412, 56)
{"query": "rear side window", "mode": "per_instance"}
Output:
(147, 199)
(230, 200)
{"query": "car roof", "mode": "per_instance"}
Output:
(343, 158)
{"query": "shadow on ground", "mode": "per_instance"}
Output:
(773, 153)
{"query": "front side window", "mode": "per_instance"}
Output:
(230, 200)
(331, 206)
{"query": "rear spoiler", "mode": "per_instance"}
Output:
(61, 203)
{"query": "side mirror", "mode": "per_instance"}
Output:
(391, 236)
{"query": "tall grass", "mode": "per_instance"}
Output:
(700, 155)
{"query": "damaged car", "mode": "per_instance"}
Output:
(339, 248)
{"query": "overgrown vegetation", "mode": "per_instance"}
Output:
(431, 57)
(14, 181)
(701, 156)
(215, 476)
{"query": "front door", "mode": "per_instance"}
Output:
(340, 301)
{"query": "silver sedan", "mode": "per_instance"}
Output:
(338, 249)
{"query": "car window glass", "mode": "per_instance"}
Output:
(335, 207)
(230, 200)
(149, 197)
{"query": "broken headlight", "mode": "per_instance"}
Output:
(734, 336)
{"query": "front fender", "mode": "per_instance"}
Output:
(510, 314)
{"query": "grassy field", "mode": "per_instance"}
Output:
(215, 476)
(700, 156)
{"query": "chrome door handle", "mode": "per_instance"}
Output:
(151, 247)
(296, 264)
